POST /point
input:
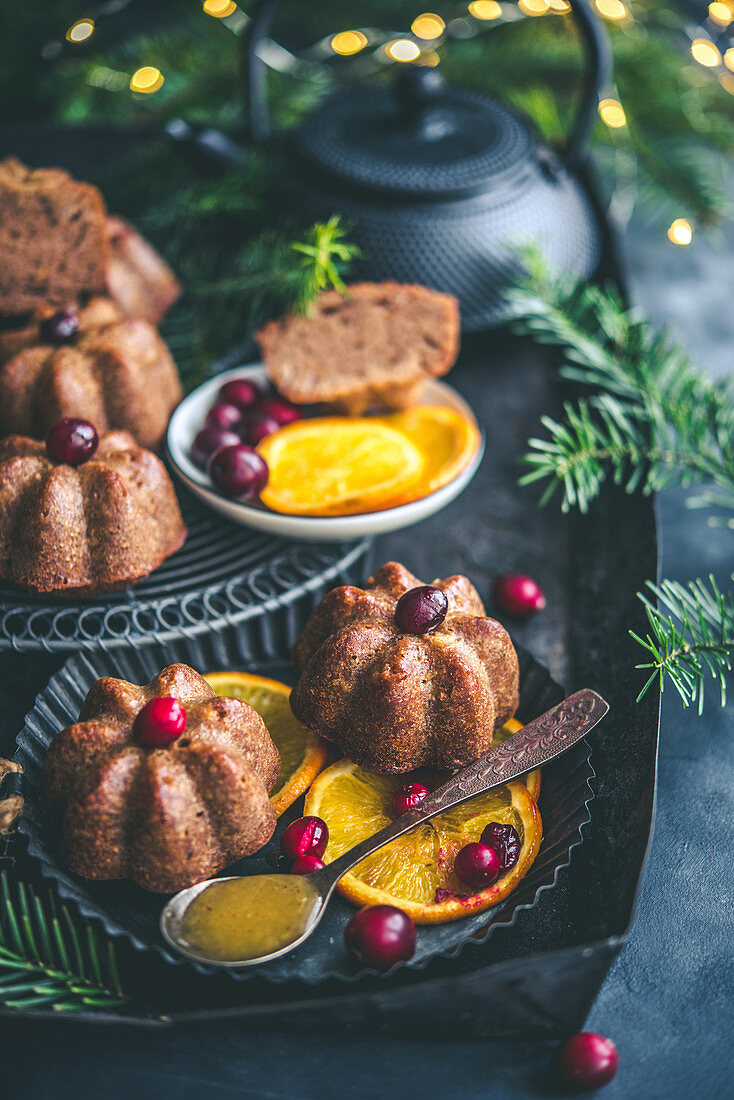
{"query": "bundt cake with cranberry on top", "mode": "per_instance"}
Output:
(94, 363)
(401, 675)
(98, 525)
(168, 816)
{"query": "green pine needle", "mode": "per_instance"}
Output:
(325, 256)
(650, 419)
(65, 965)
(691, 637)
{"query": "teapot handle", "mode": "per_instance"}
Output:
(598, 74)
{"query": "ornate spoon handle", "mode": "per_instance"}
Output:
(537, 743)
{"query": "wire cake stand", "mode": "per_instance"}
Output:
(225, 579)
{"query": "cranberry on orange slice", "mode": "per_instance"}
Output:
(416, 872)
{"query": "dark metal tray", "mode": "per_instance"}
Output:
(539, 975)
(129, 913)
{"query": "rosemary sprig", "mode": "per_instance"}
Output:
(50, 959)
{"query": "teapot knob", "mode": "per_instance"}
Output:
(418, 88)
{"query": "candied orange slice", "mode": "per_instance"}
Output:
(446, 438)
(339, 466)
(302, 754)
(415, 872)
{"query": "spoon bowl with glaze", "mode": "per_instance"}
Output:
(247, 920)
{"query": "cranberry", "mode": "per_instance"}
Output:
(240, 392)
(304, 865)
(421, 609)
(72, 441)
(505, 842)
(380, 936)
(257, 426)
(477, 865)
(160, 722)
(279, 409)
(588, 1060)
(517, 595)
(60, 327)
(408, 797)
(209, 440)
(306, 836)
(223, 416)
(238, 471)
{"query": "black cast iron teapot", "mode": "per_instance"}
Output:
(443, 186)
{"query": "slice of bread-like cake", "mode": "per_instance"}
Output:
(374, 348)
(53, 237)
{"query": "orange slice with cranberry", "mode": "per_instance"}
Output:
(416, 871)
(302, 754)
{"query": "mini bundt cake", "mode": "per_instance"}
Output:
(81, 529)
(165, 817)
(396, 693)
(94, 363)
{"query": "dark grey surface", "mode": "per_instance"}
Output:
(667, 1001)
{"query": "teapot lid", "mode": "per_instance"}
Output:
(428, 139)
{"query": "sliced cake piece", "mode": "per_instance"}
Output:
(374, 348)
(53, 237)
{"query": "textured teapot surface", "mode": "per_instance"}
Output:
(443, 190)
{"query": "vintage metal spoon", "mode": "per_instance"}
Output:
(539, 742)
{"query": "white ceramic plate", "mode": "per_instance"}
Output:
(189, 417)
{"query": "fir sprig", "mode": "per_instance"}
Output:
(49, 959)
(651, 419)
(325, 256)
(691, 635)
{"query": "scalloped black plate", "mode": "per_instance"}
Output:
(127, 911)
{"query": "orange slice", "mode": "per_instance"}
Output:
(338, 466)
(445, 437)
(530, 779)
(302, 754)
(415, 872)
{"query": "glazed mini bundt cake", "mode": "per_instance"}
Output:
(397, 686)
(93, 362)
(78, 529)
(166, 815)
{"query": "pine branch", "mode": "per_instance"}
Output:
(326, 255)
(50, 959)
(651, 420)
(691, 636)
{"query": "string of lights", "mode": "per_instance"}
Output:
(369, 49)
